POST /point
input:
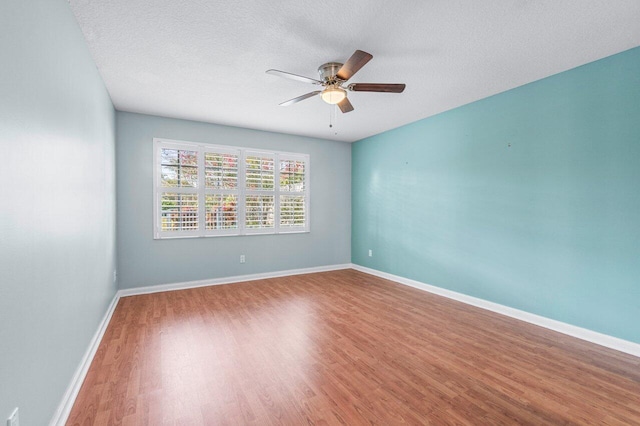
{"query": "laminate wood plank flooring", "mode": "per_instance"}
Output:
(346, 348)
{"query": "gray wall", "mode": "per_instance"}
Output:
(143, 261)
(57, 213)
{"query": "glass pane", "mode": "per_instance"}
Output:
(179, 212)
(221, 212)
(212, 160)
(188, 158)
(292, 175)
(178, 168)
(221, 170)
(259, 173)
(169, 156)
(213, 178)
(292, 211)
(259, 211)
(189, 176)
(169, 176)
(230, 179)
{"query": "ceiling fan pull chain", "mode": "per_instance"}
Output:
(330, 118)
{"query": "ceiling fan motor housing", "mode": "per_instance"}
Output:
(328, 72)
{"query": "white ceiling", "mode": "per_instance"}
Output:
(205, 60)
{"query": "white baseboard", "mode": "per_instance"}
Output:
(64, 409)
(228, 280)
(561, 327)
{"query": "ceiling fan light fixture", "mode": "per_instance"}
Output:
(333, 95)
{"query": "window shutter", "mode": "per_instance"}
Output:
(260, 201)
(203, 190)
(221, 190)
(293, 193)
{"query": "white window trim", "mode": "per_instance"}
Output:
(241, 191)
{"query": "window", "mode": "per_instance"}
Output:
(203, 190)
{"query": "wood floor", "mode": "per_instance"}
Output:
(348, 348)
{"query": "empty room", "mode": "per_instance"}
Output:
(319, 213)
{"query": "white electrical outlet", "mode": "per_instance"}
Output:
(370, 253)
(115, 276)
(13, 419)
(242, 258)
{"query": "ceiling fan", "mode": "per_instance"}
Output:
(332, 77)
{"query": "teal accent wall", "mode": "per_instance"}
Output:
(529, 198)
(143, 261)
(57, 205)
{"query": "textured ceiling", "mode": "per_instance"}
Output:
(205, 60)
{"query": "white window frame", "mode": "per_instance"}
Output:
(241, 191)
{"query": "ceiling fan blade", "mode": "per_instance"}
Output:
(300, 98)
(293, 76)
(345, 106)
(376, 87)
(353, 64)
